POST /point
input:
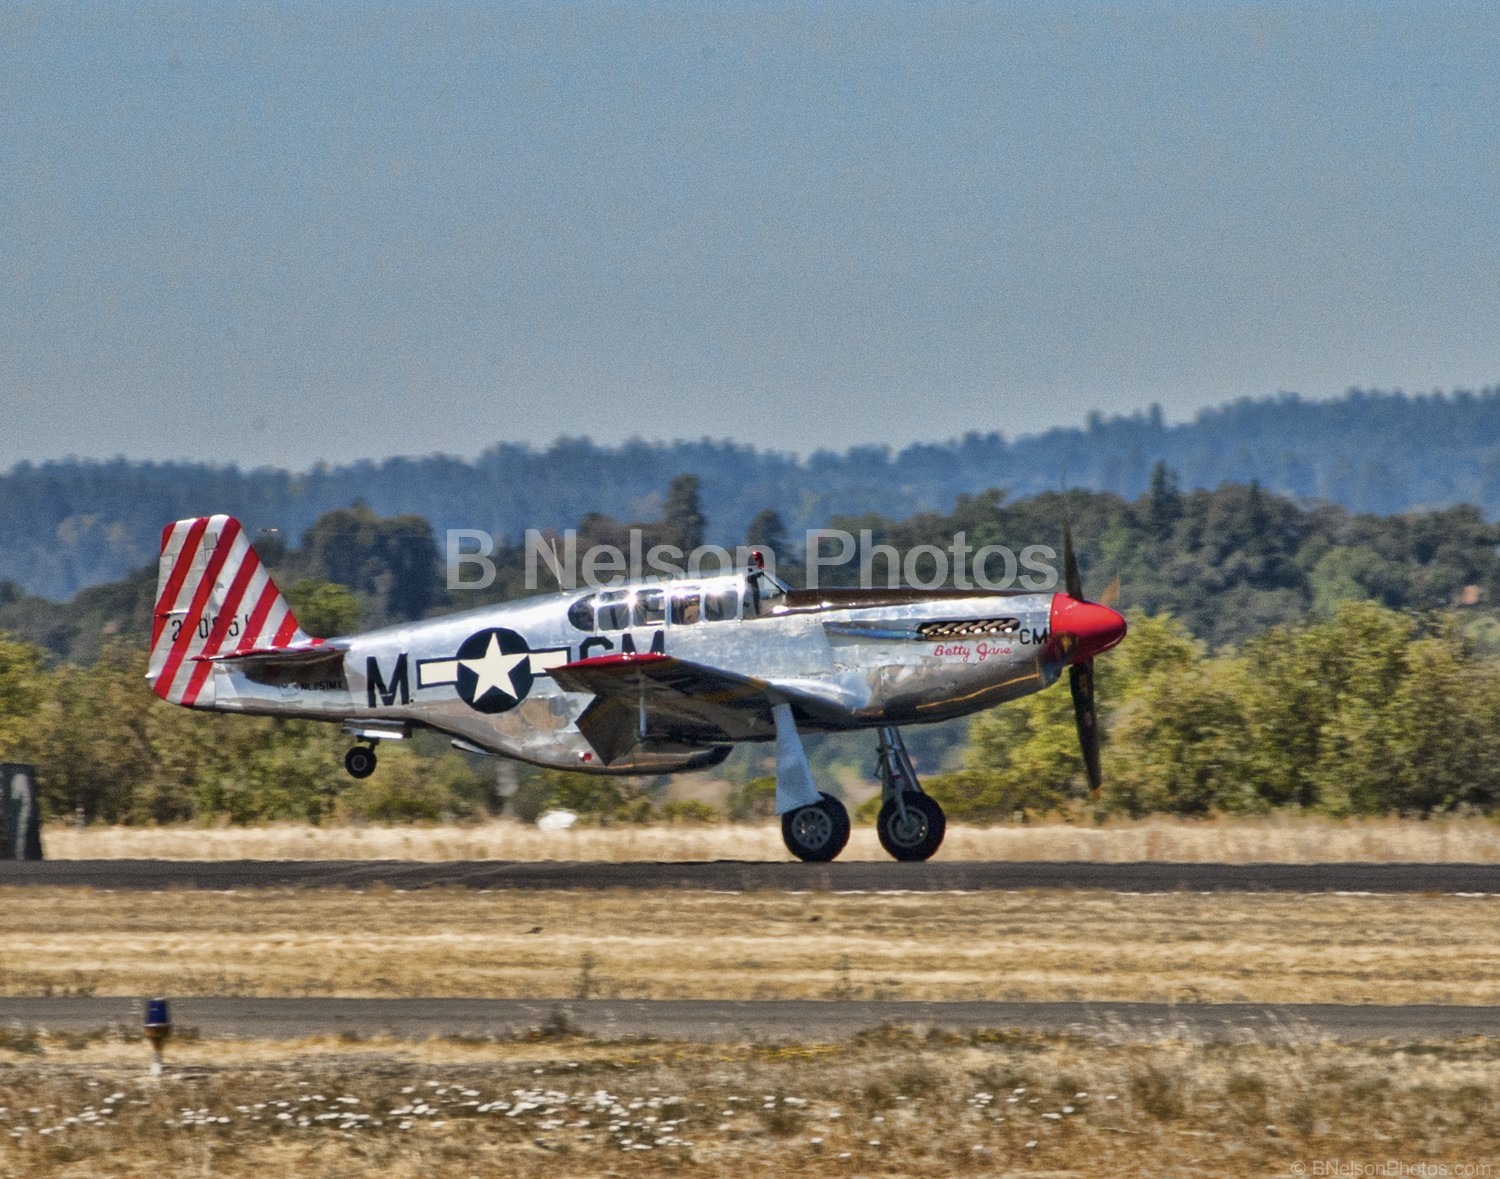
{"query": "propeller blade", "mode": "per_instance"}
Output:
(1081, 681)
(1072, 582)
(1111, 595)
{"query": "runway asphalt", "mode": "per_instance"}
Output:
(712, 1021)
(737, 876)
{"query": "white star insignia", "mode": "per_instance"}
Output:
(495, 669)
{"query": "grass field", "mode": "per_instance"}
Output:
(624, 944)
(1281, 839)
(889, 1103)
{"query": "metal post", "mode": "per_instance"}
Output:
(158, 1027)
(20, 815)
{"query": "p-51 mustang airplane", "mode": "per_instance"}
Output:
(648, 678)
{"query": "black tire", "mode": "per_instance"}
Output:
(360, 761)
(920, 835)
(816, 833)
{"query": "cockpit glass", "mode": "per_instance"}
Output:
(685, 606)
(614, 610)
(650, 607)
(721, 603)
(581, 613)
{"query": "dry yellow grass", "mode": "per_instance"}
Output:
(1010, 946)
(1282, 839)
(891, 1103)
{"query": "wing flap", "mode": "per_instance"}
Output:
(639, 697)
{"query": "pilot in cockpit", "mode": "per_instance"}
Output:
(764, 591)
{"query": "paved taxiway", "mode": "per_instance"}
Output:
(740, 876)
(714, 1021)
(801, 1020)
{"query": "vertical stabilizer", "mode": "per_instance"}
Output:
(213, 597)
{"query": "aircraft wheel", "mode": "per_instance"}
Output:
(816, 833)
(918, 834)
(360, 761)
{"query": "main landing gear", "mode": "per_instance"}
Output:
(818, 832)
(911, 825)
(815, 826)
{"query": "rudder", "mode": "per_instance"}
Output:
(213, 597)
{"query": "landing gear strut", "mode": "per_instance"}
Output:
(911, 825)
(814, 825)
(360, 761)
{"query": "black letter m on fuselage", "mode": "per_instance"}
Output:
(375, 682)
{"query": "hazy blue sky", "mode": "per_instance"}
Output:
(278, 234)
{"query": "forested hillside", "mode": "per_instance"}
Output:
(1230, 563)
(1279, 656)
(72, 524)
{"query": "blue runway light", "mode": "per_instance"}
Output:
(158, 1026)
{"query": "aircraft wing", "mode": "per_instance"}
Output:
(649, 695)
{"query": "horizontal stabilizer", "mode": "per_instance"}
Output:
(311, 666)
(309, 653)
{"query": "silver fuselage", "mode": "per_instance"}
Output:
(844, 659)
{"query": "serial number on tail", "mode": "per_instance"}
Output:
(207, 623)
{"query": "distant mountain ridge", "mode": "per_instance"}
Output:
(70, 524)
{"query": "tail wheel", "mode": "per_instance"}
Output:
(816, 833)
(360, 761)
(916, 834)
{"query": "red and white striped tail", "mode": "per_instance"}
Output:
(213, 598)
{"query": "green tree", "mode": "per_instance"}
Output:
(1370, 712)
(1177, 745)
(756, 799)
(1163, 502)
(1443, 718)
(23, 686)
(98, 751)
(768, 531)
(1345, 574)
(409, 786)
(324, 608)
(1023, 757)
(1360, 660)
(595, 798)
(265, 769)
(683, 512)
(393, 560)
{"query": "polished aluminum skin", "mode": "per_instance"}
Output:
(645, 677)
(840, 664)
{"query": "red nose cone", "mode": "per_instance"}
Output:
(1081, 630)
